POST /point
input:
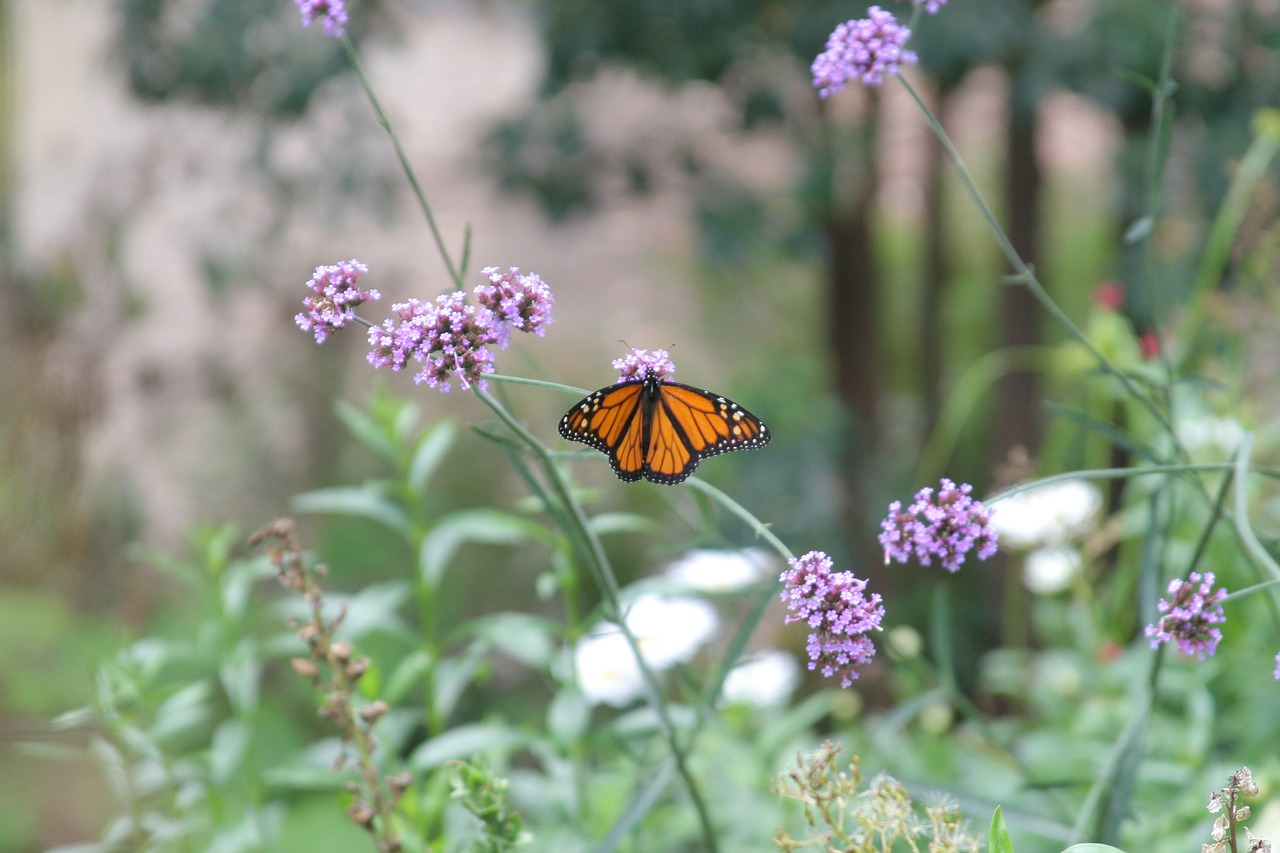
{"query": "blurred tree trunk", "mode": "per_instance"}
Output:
(1018, 393)
(854, 318)
(937, 273)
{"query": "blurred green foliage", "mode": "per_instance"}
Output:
(207, 739)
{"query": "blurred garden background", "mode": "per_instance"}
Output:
(171, 172)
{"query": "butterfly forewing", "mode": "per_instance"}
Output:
(609, 420)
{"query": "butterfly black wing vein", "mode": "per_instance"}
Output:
(661, 430)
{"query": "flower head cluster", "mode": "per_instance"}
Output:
(931, 6)
(335, 298)
(635, 365)
(332, 12)
(835, 606)
(1276, 674)
(447, 336)
(1189, 616)
(518, 301)
(866, 50)
(946, 525)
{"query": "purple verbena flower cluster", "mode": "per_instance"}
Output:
(835, 606)
(1189, 616)
(866, 50)
(336, 297)
(1276, 674)
(931, 6)
(448, 337)
(518, 301)
(332, 12)
(946, 525)
(635, 365)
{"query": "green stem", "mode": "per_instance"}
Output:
(1244, 530)
(1022, 271)
(598, 564)
(455, 273)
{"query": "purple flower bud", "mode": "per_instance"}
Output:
(864, 50)
(448, 337)
(332, 12)
(335, 298)
(1189, 614)
(517, 301)
(635, 365)
(944, 526)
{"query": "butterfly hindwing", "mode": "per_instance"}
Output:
(661, 430)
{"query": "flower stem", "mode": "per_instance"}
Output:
(1023, 273)
(455, 273)
(598, 563)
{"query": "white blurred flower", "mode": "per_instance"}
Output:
(1210, 432)
(1049, 571)
(667, 630)
(710, 570)
(1046, 515)
(766, 680)
(606, 668)
(670, 630)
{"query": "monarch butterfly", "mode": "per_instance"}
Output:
(660, 430)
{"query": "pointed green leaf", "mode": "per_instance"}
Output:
(462, 742)
(432, 448)
(489, 526)
(367, 431)
(998, 840)
(357, 502)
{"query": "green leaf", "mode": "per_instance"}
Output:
(357, 502)
(462, 742)
(489, 526)
(374, 608)
(227, 751)
(621, 522)
(568, 717)
(241, 675)
(409, 673)
(367, 431)
(1116, 436)
(431, 449)
(452, 677)
(1139, 230)
(522, 636)
(182, 711)
(998, 840)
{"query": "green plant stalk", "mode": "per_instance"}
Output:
(1248, 177)
(1024, 273)
(455, 273)
(598, 563)
(1107, 474)
(1244, 530)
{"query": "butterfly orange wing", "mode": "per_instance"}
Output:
(689, 424)
(661, 430)
(611, 421)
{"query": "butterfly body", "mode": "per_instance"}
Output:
(660, 430)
